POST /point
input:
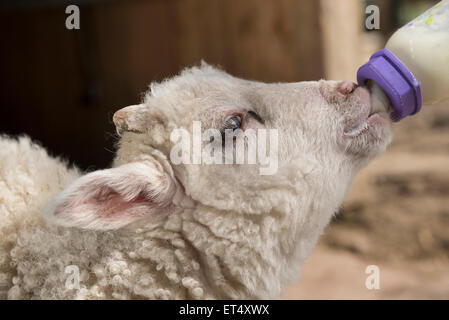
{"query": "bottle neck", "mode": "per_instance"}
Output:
(397, 82)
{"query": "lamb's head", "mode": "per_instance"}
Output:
(317, 136)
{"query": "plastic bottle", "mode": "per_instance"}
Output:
(414, 68)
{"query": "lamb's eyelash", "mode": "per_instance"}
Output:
(256, 116)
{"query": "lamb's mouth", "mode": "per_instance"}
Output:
(373, 114)
(373, 119)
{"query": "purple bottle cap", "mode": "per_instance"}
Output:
(398, 83)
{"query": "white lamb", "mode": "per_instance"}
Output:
(147, 228)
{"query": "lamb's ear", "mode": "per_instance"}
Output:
(112, 198)
(132, 118)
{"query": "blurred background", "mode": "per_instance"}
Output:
(61, 87)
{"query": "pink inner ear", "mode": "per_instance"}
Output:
(113, 206)
(109, 205)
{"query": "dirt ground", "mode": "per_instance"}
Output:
(395, 216)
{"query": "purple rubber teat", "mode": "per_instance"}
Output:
(398, 83)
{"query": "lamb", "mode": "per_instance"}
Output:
(147, 228)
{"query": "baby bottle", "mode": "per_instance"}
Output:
(414, 68)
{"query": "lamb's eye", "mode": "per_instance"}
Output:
(232, 122)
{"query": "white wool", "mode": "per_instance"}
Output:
(184, 231)
(29, 178)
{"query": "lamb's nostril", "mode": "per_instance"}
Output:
(346, 87)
